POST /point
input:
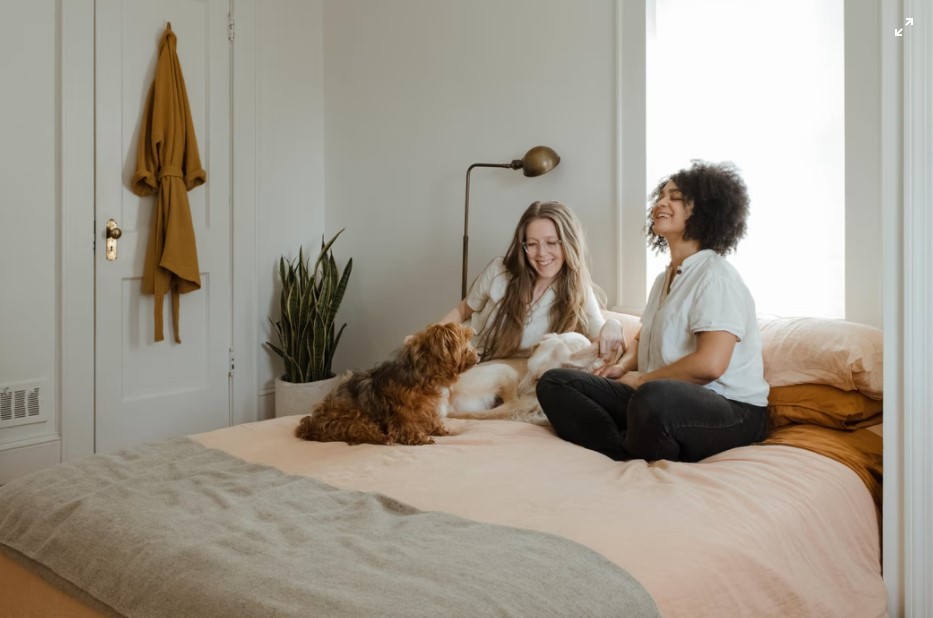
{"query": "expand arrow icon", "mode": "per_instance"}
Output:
(909, 21)
(898, 32)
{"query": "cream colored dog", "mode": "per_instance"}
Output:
(505, 389)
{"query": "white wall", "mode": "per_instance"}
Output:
(863, 162)
(415, 92)
(290, 166)
(29, 235)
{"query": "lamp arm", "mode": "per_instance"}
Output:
(466, 219)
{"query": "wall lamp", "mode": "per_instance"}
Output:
(537, 161)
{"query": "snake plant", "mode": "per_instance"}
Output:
(308, 304)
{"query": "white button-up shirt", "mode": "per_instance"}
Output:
(489, 289)
(707, 294)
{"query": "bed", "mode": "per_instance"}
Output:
(499, 518)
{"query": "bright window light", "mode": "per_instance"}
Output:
(759, 83)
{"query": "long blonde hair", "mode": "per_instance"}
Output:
(503, 336)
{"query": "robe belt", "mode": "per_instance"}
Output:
(171, 170)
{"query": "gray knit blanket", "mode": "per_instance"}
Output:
(177, 529)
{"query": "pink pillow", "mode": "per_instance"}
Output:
(843, 354)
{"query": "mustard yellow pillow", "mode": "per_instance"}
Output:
(826, 406)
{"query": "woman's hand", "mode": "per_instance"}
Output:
(612, 372)
(611, 341)
(623, 366)
(632, 378)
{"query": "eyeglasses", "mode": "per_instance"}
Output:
(549, 246)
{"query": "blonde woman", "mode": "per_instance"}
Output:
(541, 286)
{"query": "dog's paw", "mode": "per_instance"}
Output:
(410, 436)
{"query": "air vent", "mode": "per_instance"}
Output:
(21, 404)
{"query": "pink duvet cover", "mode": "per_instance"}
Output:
(755, 531)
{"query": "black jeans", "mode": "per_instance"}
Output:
(662, 419)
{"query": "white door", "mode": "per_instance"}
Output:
(147, 390)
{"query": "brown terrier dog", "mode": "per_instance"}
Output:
(400, 400)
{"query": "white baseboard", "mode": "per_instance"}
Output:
(21, 460)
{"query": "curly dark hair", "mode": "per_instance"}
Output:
(720, 206)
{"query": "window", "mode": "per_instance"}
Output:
(759, 83)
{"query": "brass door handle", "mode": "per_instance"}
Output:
(112, 234)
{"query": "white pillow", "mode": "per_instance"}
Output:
(843, 354)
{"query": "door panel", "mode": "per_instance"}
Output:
(147, 390)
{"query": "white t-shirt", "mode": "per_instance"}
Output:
(490, 288)
(707, 295)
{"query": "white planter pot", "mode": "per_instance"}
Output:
(298, 398)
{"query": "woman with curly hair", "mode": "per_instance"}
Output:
(542, 285)
(691, 384)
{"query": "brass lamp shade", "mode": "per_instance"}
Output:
(537, 161)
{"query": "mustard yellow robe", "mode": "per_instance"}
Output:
(168, 164)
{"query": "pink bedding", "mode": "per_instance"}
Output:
(764, 530)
